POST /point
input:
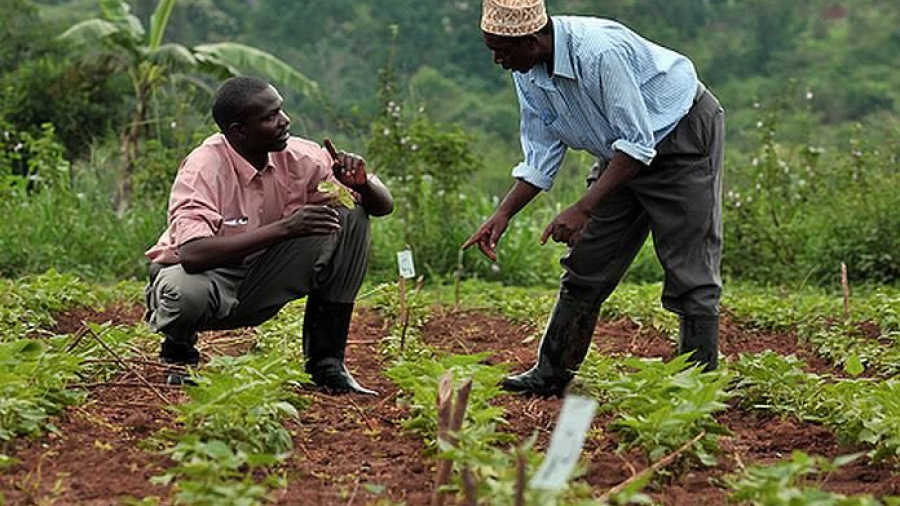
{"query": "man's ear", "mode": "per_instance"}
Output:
(235, 129)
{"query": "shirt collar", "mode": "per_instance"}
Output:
(562, 58)
(245, 171)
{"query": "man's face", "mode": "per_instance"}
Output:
(266, 126)
(512, 53)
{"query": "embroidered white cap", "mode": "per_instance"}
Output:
(513, 18)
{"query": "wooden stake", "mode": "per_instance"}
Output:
(404, 311)
(444, 415)
(450, 421)
(459, 410)
(520, 477)
(458, 278)
(470, 490)
(845, 285)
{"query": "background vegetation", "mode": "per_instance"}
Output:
(810, 89)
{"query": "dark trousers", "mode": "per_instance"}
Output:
(678, 200)
(331, 266)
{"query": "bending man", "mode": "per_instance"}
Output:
(593, 84)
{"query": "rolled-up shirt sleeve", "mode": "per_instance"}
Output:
(192, 210)
(543, 151)
(627, 112)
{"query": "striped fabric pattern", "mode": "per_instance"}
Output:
(611, 90)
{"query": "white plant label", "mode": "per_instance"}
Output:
(575, 419)
(405, 263)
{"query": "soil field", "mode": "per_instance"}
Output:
(353, 449)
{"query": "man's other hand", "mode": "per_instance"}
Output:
(313, 220)
(567, 226)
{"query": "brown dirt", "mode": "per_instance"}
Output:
(758, 438)
(348, 446)
(68, 322)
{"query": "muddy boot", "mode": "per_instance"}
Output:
(700, 337)
(563, 347)
(325, 329)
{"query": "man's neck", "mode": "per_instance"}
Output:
(548, 44)
(259, 161)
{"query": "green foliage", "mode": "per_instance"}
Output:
(640, 303)
(425, 164)
(242, 400)
(778, 384)
(234, 431)
(283, 333)
(33, 386)
(30, 162)
(795, 481)
(865, 411)
(338, 194)
(418, 380)
(27, 305)
(19, 22)
(864, 338)
(81, 99)
(858, 410)
(418, 372)
(819, 192)
(211, 473)
(75, 233)
(801, 211)
(659, 407)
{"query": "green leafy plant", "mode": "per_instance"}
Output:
(242, 400)
(233, 429)
(418, 379)
(33, 386)
(338, 194)
(212, 472)
(659, 407)
(798, 480)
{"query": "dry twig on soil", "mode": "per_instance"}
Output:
(659, 464)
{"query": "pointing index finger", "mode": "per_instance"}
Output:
(331, 149)
(546, 234)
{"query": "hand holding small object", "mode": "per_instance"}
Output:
(348, 168)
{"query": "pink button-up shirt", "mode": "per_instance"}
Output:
(218, 193)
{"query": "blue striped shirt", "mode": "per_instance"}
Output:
(611, 90)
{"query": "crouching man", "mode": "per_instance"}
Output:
(249, 231)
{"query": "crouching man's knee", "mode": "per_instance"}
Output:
(178, 302)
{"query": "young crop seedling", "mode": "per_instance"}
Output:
(797, 480)
(660, 406)
(338, 194)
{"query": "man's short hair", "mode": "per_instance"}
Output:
(231, 99)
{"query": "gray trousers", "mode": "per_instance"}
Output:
(330, 266)
(677, 199)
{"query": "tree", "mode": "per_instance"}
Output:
(149, 63)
